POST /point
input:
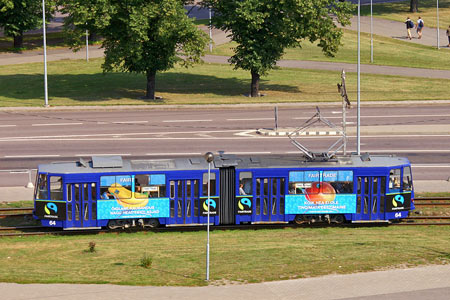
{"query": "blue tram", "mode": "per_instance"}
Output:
(115, 193)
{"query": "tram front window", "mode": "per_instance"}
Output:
(407, 179)
(42, 187)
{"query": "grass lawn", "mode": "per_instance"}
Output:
(387, 51)
(76, 82)
(236, 256)
(398, 11)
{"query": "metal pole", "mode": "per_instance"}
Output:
(437, 20)
(276, 118)
(207, 242)
(209, 157)
(371, 33)
(344, 119)
(45, 55)
(210, 31)
(87, 45)
(358, 122)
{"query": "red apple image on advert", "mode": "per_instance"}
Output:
(320, 192)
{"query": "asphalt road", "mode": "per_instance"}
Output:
(31, 137)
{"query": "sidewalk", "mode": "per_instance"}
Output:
(429, 282)
(397, 30)
(383, 27)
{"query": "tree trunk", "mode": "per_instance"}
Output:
(151, 76)
(93, 37)
(414, 6)
(18, 40)
(255, 85)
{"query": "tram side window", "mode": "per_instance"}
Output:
(340, 181)
(212, 184)
(407, 179)
(394, 179)
(307, 182)
(115, 186)
(42, 187)
(245, 183)
(56, 188)
(150, 186)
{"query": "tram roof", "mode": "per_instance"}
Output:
(116, 164)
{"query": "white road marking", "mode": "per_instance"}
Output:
(364, 117)
(8, 125)
(246, 133)
(165, 153)
(31, 156)
(104, 154)
(185, 121)
(130, 122)
(251, 119)
(57, 124)
(249, 152)
(430, 166)
(411, 150)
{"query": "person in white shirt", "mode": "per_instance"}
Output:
(419, 27)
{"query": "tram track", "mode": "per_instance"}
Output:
(26, 212)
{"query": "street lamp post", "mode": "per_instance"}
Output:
(209, 157)
(45, 55)
(437, 20)
(358, 87)
(371, 33)
(87, 44)
(210, 31)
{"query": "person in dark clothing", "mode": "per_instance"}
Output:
(409, 25)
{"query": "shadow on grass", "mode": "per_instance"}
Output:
(32, 42)
(104, 87)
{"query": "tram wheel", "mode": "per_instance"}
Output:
(153, 223)
(299, 219)
(112, 224)
(339, 219)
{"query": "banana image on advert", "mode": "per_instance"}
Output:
(126, 198)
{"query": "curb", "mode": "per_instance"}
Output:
(223, 106)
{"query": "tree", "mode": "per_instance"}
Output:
(18, 16)
(263, 29)
(140, 36)
(414, 6)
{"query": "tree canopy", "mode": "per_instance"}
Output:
(140, 36)
(263, 29)
(18, 16)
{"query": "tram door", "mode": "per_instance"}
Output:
(269, 199)
(371, 198)
(185, 201)
(81, 204)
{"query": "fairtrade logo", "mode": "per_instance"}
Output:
(246, 202)
(398, 198)
(211, 203)
(52, 207)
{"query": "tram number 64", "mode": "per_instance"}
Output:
(52, 223)
(397, 215)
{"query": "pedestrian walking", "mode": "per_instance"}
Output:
(409, 25)
(448, 35)
(419, 27)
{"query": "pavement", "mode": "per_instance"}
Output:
(429, 282)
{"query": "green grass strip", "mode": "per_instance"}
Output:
(77, 82)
